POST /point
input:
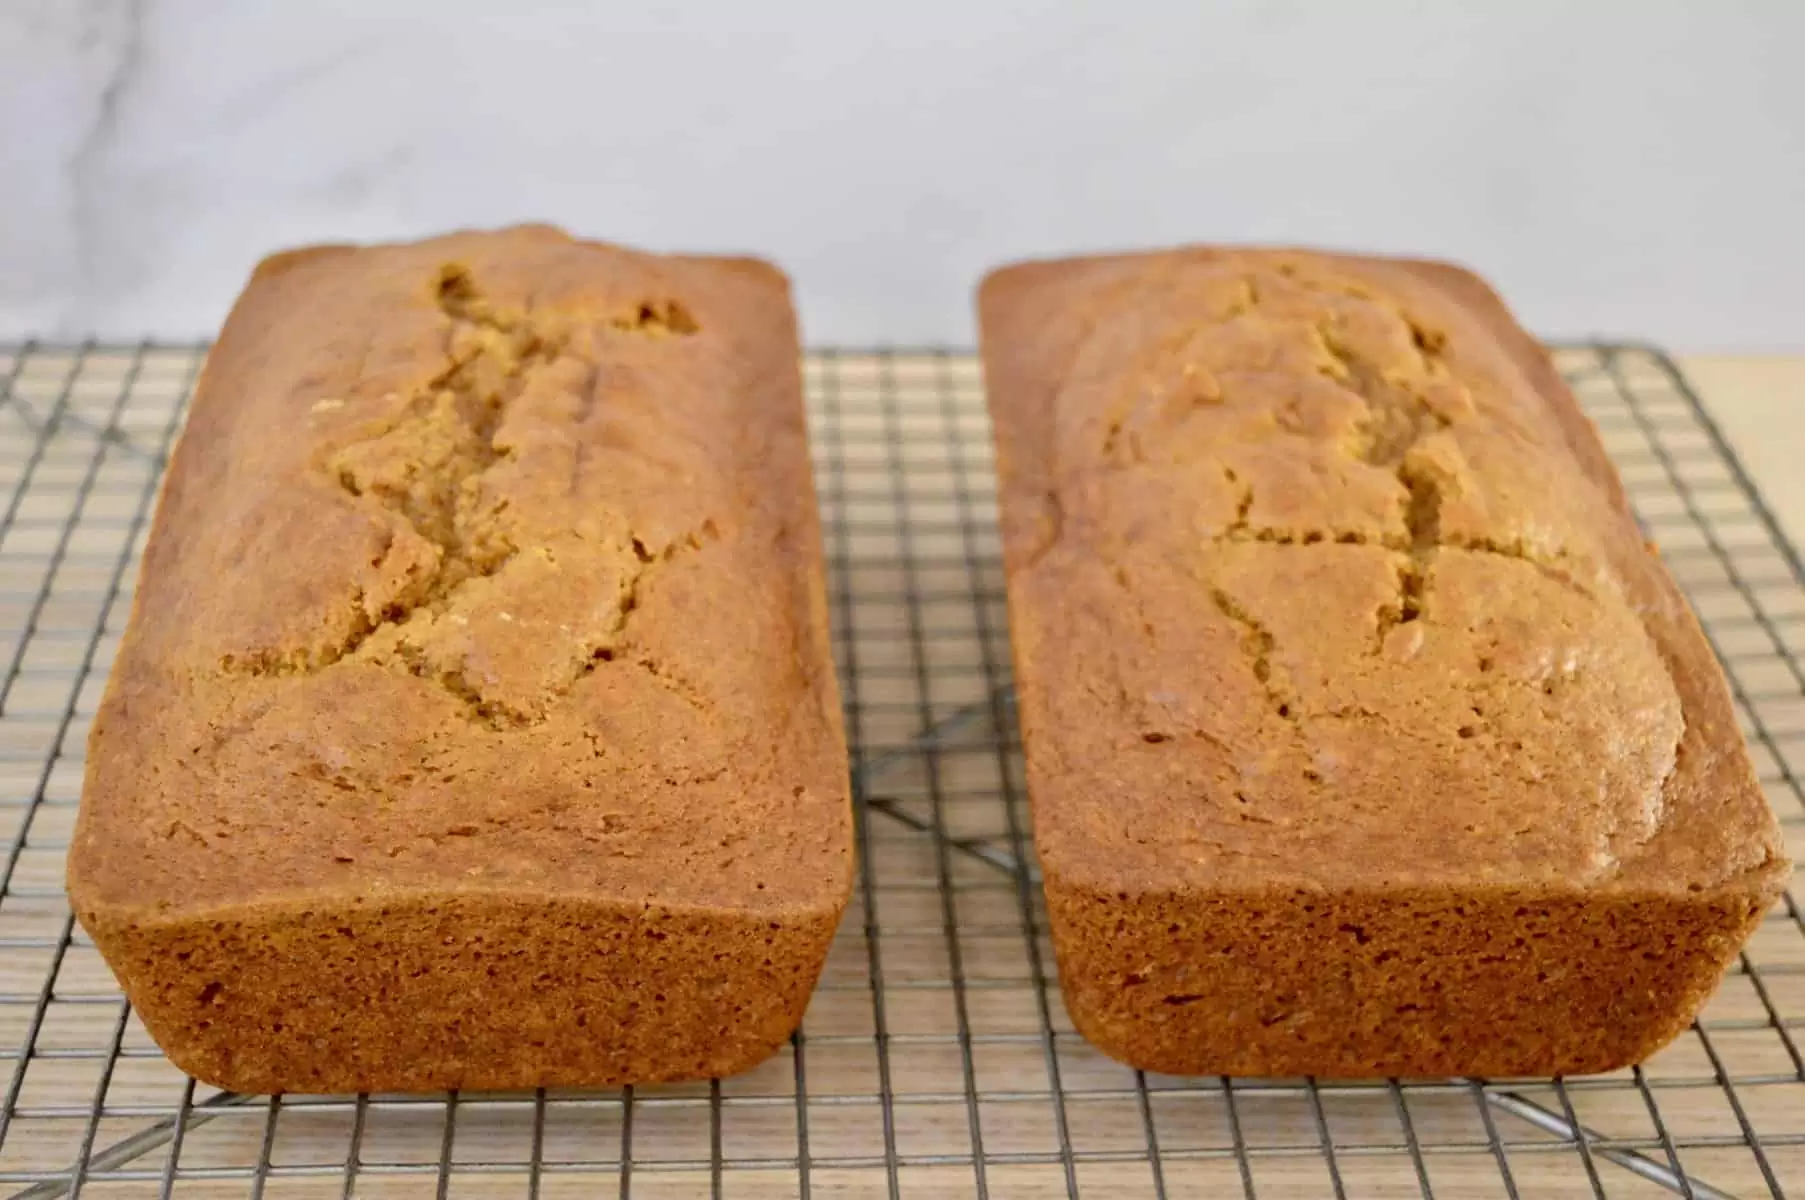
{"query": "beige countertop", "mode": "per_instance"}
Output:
(1759, 403)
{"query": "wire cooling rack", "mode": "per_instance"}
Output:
(936, 1058)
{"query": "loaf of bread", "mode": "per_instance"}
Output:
(1364, 734)
(475, 726)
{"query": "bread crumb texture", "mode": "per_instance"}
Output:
(1364, 734)
(475, 724)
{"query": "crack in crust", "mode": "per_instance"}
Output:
(1400, 416)
(428, 465)
(1257, 640)
(452, 424)
(1396, 423)
(1401, 413)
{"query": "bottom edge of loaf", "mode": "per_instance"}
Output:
(435, 992)
(1508, 982)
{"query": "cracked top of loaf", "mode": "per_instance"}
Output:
(1318, 576)
(490, 561)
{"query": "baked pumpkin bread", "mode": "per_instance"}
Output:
(475, 725)
(1364, 734)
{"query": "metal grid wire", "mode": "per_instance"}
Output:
(936, 1058)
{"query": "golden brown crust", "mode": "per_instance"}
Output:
(1378, 627)
(486, 580)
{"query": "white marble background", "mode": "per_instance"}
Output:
(1632, 167)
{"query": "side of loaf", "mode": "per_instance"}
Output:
(475, 725)
(1364, 734)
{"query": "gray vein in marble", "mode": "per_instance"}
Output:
(267, 93)
(97, 140)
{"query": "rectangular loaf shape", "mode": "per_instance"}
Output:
(1364, 734)
(475, 725)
